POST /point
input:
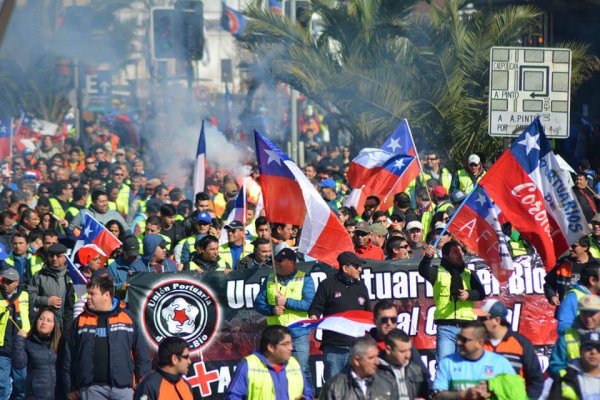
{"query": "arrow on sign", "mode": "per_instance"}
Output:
(534, 95)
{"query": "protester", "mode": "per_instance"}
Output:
(455, 288)
(344, 291)
(261, 257)
(99, 211)
(155, 256)
(581, 378)
(122, 267)
(37, 351)
(515, 347)
(361, 379)
(167, 382)
(415, 236)
(363, 245)
(104, 348)
(412, 382)
(285, 299)
(466, 179)
(589, 283)
(52, 287)
(206, 257)
(566, 348)
(237, 247)
(14, 317)
(271, 372)
(397, 248)
(465, 375)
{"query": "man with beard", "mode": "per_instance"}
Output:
(455, 288)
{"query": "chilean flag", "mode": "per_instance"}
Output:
(237, 213)
(386, 171)
(275, 7)
(6, 137)
(290, 198)
(200, 166)
(527, 185)
(93, 232)
(476, 224)
(352, 323)
(233, 21)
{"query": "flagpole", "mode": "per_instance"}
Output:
(418, 160)
(454, 215)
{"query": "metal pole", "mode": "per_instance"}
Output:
(294, 103)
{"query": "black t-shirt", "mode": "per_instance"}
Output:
(101, 356)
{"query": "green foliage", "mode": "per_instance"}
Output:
(378, 61)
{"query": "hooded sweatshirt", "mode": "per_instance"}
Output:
(150, 243)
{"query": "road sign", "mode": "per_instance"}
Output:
(526, 82)
(99, 85)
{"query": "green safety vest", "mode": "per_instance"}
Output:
(572, 342)
(567, 391)
(293, 290)
(260, 383)
(465, 183)
(225, 252)
(22, 314)
(594, 249)
(445, 175)
(71, 213)
(123, 200)
(36, 263)
(426, 221)
(446, 309)
(443, 206)
(517, 247)
(57, 208)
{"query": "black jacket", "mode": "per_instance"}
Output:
(40, 360)
(128, 351)
(417, 382)
(337, 294)
(569, 379)
(344, 387)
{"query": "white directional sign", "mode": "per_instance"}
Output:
(526, 82)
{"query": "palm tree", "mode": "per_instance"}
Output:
(376, 62)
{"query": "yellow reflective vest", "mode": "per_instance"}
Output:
(260, 383)
(445, 308)
(293, 290)
(21, 304)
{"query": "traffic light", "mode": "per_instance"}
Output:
(190, 14)
(166, 35)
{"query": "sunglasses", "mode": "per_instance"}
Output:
(404, 247)
(388, 320)
(432, 158)
(184, 356)
(360, 233)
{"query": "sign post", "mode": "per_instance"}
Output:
(526, 82)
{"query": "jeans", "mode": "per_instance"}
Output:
(334, 360)
(96, 392)
(301, 353)
(446, 341)
(17, 385)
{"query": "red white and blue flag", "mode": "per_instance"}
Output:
(352, 323)
(290, 198)
(275, 7)
(6, 137)
(527, 185)
(233, 21)
(238, 212)
(384, 172)
(200, 164)
(75, 274)
(476, 224)
(93, 232)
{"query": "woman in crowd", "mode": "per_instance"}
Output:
(38, 352)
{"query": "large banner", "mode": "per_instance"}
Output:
(215, 313)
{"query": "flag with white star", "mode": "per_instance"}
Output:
(290, 198)
(93, 232)
(527, 184)
(5, 137)
(476, 224)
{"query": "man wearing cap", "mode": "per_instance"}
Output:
(589, 283)
(466, 178)
(414, 230)
(237, 246)
(285, 299)
(378, 234)
(363, 246)
(517, 349)
(455, 288)
(201, 222)
(121, 268)
(566, 348)
(329, 194)
(155, 256)
(581, 378)
(345, 291)
(14, 309)
(52, 287)
(433, 170)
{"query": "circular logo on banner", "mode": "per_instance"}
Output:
(178, 307)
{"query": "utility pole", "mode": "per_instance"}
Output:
(294, 104)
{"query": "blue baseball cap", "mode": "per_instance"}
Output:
(204, 217)
(327, 183)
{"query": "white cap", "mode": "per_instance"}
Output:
(474, 159)
(439, 225)
(414, 225)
